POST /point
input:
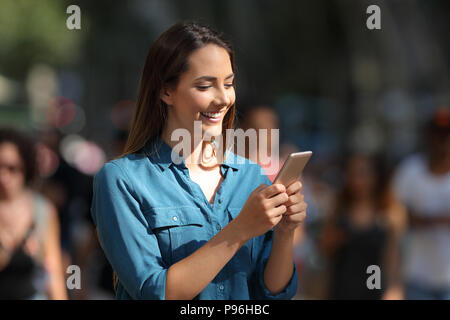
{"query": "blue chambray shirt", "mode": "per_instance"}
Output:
(149, 214)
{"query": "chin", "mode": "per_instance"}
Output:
(215, 130)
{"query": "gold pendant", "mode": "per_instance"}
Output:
(210, 151)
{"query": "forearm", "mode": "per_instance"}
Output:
(4, 259)
(418, 220)
(188, 277)
(279, 267)
(394, 288)
(53, 259)
(56, 287)
(5, 254)
(392, 261)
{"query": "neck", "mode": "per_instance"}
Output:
(363, 198)
(196, 152)
(10, 198)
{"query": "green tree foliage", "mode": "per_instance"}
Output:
(35, 32)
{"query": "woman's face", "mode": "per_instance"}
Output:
(12, 178)
(361, 176)
(205, 92)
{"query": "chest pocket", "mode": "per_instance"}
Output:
(242, 260)
(180, 231)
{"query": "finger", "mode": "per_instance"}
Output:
(278, 211)
(273, 190)
(277, 200)
(296, 208)
(294, 199)
(294, 187)
(260, 187)
(296, 218)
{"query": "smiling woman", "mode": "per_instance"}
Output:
(204, 92)
(183, 230)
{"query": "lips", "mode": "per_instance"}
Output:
(212, 115)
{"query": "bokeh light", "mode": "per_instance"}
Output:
(84, 155)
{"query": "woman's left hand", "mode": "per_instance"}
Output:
(296, 209)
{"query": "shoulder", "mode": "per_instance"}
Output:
(44, 212)
(415, 161)
(129, 162)
(407, 175)
(42, 206)
(411, 165)
(39, 199)
(128, 167)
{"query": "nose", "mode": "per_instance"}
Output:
(222, 97)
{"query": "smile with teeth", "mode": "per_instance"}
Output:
(213, 115)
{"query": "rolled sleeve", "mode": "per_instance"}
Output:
(128, 242)
(263, 246)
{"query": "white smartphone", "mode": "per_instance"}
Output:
(293, 168)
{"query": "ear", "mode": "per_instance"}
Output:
(166, 96)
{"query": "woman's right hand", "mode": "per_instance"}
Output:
(263, 210)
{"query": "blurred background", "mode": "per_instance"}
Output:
(373, 106)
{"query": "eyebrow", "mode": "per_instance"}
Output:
(211, 78)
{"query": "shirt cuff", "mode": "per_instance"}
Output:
(289, 291)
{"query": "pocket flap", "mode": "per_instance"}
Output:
(172, 217)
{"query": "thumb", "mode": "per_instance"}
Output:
(261, 186)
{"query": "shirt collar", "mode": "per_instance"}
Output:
(161, 154)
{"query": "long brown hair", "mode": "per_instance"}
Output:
(166, 60)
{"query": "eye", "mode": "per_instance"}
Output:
(228, 85)
(203, 88)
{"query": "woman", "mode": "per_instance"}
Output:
(193, 229)
(30, 254)
(364, 229)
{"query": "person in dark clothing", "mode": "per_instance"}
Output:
(16, 278)
(30, 255)
(364, 230)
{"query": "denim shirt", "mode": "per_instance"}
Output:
(149, 214)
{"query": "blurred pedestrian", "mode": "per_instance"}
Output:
(30, 253)
(422, 182)
(263, 117)
(364, 229)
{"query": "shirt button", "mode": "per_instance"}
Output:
(218, 227)
(175, 218)
(220, 200)
(221, 287)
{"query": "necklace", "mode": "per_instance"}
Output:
(210, 152)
